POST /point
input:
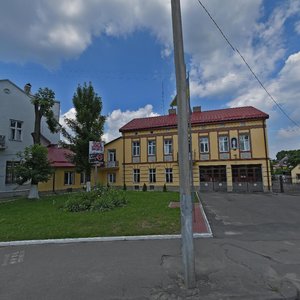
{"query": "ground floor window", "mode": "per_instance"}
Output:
(169, 175)
(69, 178)
(10, 173)
(246, 173)
(152, 175)
(136, 175)
(213, 174)
(82, 178)
(111, 177)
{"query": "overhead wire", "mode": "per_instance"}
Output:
(247, 64)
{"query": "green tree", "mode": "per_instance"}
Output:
(43, 102)
(33, 166)
(87, 126)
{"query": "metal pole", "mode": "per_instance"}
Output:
(183, 151)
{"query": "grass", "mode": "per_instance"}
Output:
(146, 213)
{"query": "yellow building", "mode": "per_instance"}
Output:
(228, 152)
(295, 174)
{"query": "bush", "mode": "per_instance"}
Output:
(144, 187)
(99, 199)
(124, 187)
(164, 188)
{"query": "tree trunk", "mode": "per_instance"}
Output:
(36, 134)
(33, 193)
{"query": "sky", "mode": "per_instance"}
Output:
(125, 48)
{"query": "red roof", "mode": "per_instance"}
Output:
(204, 117)
(57, 157)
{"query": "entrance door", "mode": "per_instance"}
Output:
(247, 178)
(213, 178)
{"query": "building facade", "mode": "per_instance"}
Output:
(16, 126)
(228, 152)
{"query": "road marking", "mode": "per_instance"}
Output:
(13, 258)
(232, 232)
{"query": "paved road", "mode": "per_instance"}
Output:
(254, 255)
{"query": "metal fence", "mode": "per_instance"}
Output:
(285, 184)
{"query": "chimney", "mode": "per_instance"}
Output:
(27, 88)
(197, 109)
(172, 111)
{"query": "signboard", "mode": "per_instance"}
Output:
(96, 153)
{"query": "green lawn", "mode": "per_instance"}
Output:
(146, 213)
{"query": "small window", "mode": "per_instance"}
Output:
(111, 178)
(136, 148)
(151, 147)
(244, 142)
(82, 178)
(152, 175)
(223, 144)
(16, 130)
(204, 145)
(169, 175)
(168, 147)
(69, 178)
(136, 175)
(10, 175)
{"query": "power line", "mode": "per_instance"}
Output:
(247, 64)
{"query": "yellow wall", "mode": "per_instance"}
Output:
(294, 173)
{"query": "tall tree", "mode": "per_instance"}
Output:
(87, 126)
(43, 102)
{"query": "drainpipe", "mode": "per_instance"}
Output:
(266, 152)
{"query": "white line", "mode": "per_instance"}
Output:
(101, 239)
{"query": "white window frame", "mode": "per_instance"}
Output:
(169, 175)
(16, 132)
(136, 175)
(70, 178)
(111, 155)
(136, 148)
(152, 175)
(244, 142)
(223, 144)
(151, 147)
(111, 177)
(168, 147)
(204, 144)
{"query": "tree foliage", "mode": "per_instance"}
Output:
(87, 126)
(43, 102)
(293, 157)
(34, 165)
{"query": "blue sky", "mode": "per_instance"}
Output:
(124, 47)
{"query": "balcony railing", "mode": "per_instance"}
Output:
(111, 164)
(2, 142)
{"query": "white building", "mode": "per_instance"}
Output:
(16, 126)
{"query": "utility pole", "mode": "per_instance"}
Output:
(186, 208)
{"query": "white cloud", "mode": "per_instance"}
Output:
(118, 118)
(114, 120)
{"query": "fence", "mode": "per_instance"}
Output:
(285, 184)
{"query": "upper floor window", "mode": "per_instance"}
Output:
(136, 148)
(136, 175)
(111, 155)
(152, 175)
(167, 147)
(244, 142)
(151, 147)
(223, 144)
(204, 145)
(16, 130)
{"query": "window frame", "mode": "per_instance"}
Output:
(136, 151)
(70, 178)
(201, 142)
(136, 176)
(16, 132)
(223, 143)
(111, 177)
(169, 175)
(243, 142)
(152, 175)
(151, 147)
(168, 145)
(10, 176)
(111, 155)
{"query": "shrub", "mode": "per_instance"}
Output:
(124, 187)
(164, 188)
(99, 199)
(144, 187)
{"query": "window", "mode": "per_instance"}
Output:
(168, 147)
(169, 175)
(16, 130)
(111, 178)
(111, 155)
(152, 175)
(223, 144)
(151, 147)
(69, 178)
(136, 175)
(244, 142)
(10, 176)
(204, 145)
(82, 178)
(136, 148)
